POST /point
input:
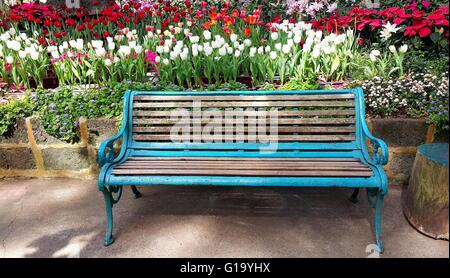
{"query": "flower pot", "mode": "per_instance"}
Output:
(247, 80)
(333, 84)
(50, 82)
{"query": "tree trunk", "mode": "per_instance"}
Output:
(426, 202)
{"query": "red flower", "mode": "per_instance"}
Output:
(247, 32)
(41, 40)
(360, 41)
(424, 32)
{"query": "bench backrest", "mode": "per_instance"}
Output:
(320, 120)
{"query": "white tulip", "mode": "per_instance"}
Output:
(97, 43)
(166, 61)
(111, 46)
(184, 54)
(124, 50)
(375, 52)
(260, 50)
(34, 55)
(233, 37)
(223, 51)
(247, 42)
(208, 50)
(22, 54)
(100, 52)
(267, 49)
(9, 59)
(286, 49)
(55, 55)
(207, 35)
(316, 51)
(108, 62)
(237, 53)
(138, 49)
(273, 55)
(392, 49)
(274, 36)
(194, 39)
(79, 44)
(404, 48)
(278, 46)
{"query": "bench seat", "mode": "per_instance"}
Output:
(238, 166)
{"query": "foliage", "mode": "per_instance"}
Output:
(11, 110)
(417, 95)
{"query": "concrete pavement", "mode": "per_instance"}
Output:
(65, 218)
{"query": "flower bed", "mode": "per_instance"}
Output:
(398, 54)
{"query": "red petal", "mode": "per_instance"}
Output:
(424, 32)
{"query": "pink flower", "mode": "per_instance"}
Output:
(426, 4)
(151, 57)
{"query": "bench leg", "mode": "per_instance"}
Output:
(136, 192)
(109, 218)
(378, 212)
(354, 197)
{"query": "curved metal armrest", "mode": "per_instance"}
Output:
(107, 157)
(377, 158)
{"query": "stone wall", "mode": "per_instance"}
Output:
(31, 152)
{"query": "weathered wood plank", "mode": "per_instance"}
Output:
(252, 159)
(243, 98)
(281, 121)
(287, 138)
(247, 104)
(281, 113)
(281, 129)
(256, 173)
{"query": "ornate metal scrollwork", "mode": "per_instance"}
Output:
(116, 189)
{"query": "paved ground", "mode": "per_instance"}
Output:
(65, 218)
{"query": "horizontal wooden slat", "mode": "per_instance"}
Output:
(256, 173)
(281, 113)
(242, 97)
(281, 129)
(229, 158)
(248, 121)
(237, 163)
(231, 165)
(164, 137)
(247, 104)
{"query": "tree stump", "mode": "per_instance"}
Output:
(426, 202)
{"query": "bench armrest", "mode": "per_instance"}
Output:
(378, 144)
(106, 152)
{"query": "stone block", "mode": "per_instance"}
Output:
(101, 129)
(17, 158)
(18, 134)
(40, 135)
(71, 158)
(401, 166)
(400, 131)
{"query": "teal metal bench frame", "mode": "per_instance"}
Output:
(376, 185)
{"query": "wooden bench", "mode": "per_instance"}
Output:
(321, 140)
